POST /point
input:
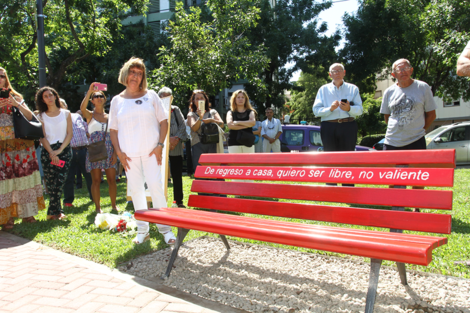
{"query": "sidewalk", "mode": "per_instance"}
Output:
(35, 278)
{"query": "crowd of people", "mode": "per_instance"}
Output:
(135, 130)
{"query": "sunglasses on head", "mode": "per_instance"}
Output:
(98, 96)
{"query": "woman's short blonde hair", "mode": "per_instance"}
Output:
(233, 103)
(124, 73)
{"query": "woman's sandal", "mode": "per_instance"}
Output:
(141, 238)
(170, 238)
(30, 219)
(8, 225)
(52, 217)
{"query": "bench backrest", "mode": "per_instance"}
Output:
(427, 168)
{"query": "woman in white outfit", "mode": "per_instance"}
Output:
(139, 126)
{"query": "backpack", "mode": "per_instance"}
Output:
(209, 133)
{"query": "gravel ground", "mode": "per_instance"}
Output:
(257, 278)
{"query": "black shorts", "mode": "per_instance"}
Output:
(419, 144)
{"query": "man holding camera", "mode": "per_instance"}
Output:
(338, 104)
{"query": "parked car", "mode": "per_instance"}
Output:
(379, 145)
(455, 136)
(304, 138)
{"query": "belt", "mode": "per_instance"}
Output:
(79, 148)
(342, 120)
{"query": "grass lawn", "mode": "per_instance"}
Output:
(79, 236)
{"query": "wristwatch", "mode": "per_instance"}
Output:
(161, 144)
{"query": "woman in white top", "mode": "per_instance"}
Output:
(97, 126)
(56, 153)
(139, 125)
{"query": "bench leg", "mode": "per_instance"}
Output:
(225, 241)
(373, 282)
(402, 271)
(182, 232)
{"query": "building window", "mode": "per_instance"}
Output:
(453, 103)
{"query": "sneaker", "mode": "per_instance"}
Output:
(70, 205)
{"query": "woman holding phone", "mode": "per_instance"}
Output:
(98, 129)
(20, 182)
(200, 112)
(56, 153)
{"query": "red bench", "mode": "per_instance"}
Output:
(398, 168)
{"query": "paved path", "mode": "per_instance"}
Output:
(35, 278)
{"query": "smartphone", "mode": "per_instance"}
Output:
(202, 106)
(5, 93)
(344, 100)
(61, 163)
(103, 87)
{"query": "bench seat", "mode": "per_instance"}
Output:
(395, 247)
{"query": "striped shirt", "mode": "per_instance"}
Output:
(80, 129)
(178, 129)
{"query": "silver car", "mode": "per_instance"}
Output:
(455, 136)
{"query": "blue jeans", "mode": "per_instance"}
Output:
(78, 161)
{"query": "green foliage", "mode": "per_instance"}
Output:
(307, 87)
(292, 36)
(429, 33)
(371, 121)
(370, 141)
(74, 30)
(209, 48)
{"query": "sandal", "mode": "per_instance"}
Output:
(141, 238)
(30, 219)
(170, 238)
(52, 217)
(9, 225)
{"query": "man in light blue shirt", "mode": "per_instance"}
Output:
(338, 104)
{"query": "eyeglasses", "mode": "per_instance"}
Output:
(98, 96)
(3, 76)
(134, 73)
(401, 70)
(336, 72)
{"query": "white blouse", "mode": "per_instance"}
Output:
(55, 127)
(137, 122)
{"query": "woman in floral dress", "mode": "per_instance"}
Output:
(97, 121)
(20, 182)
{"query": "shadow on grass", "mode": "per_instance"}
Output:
(460, 227)
(31, 230)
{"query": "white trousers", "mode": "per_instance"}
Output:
(276, 146)
(241, 149)
(145, 169)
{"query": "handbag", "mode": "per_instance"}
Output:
(25, 129)
(209, 133)
(97, 150)
(245, 138)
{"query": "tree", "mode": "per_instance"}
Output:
(303, 96)
(74, 31)
(291, 35)
(429, 33)
(209, 48)
(371, 121)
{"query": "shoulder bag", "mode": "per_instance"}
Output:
(97, 150)
(209, 132)
(25, 129)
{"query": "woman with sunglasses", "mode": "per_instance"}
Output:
(20, 181)
(97, 124)
(195, 120)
